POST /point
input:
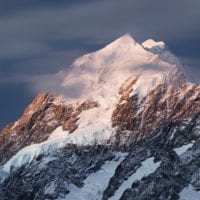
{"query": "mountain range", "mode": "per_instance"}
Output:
(126, 127)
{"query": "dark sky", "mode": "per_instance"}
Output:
(41, 37)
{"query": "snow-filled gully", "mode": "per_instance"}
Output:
(148, 167)
(96, 183)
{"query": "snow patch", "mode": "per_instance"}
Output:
(189, 193)
(58, 133)
(149, 80)
(184, 148)
(173, 132)
(148, 167)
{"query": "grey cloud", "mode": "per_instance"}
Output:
(36, 33)
(105, 20)
(8, 7)
(17, 49)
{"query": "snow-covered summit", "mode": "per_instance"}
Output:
(125, 46)
(99, 75)
(126, 39)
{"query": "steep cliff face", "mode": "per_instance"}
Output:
(173, 101)
(40, 118)
(127, 97)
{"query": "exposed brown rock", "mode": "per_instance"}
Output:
(174, 100)
(38, 121)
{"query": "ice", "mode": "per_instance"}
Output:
(189, 193)
(148, 167)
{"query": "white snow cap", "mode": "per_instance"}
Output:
(99, 75)
(126, 39)
(150, 43)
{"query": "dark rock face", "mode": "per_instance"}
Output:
(170, 178)
(174, 172)
(49, 176)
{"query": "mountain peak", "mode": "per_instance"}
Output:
(127, 38)
(122, 44)
(99, 75)
(150, 43)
